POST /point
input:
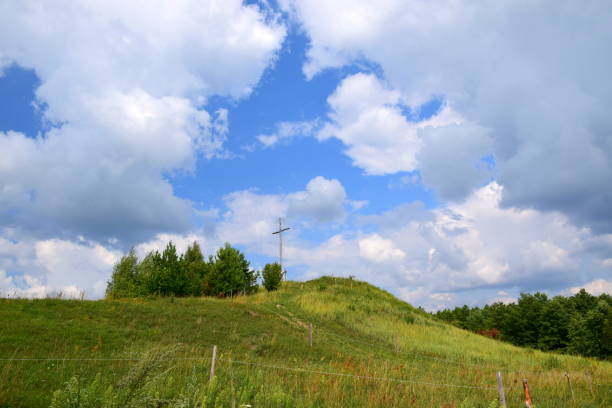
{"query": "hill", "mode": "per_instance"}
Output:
(369, 349)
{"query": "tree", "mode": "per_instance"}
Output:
(555, 320)
(589, 334)
(272, 276)
(229, 273)
(163, 275)
(583, 301)
(525, 319)
(124, 281)
(148, 273)
(195, 268)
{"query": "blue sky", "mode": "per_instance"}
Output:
(447, 162)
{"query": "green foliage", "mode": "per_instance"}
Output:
(580, 324)
(272, 276)
(75, 395)
(170, 274)
(195, 268)
(124, 281)
(230, 274)
(136, 389)
(358, 330)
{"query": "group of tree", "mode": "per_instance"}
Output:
(169, 273)
(580, 324)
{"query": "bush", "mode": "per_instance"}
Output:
(272, 276)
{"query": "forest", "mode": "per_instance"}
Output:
(579, 324)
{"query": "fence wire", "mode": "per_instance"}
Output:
(363, 377)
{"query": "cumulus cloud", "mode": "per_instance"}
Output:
(595, 287)
(367, 117)
(471, 252)
(452, 160)
(122, 89)
(251, 217)
(379, 249)
(533, 74)
(323, 200)
(180, 241)
(48, 267)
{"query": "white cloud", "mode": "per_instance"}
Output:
(595, 287)
(533, 74)
(46, 267)
(285, 131)
(251, 217)
(467, 253)
(180, 241)
(471, 252)
(367, 117)
(364, 117)
(376, 248)
(323, 200)
(123, 87)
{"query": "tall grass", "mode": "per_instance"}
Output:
(370, 350)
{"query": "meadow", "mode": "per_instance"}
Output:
(369, 350)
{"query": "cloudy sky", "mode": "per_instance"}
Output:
(448, 151)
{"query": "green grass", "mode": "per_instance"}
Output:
(359, 330)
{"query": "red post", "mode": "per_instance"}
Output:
(528, 402)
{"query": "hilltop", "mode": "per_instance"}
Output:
(369, 349)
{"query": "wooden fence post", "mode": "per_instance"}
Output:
(212, 363)
(528, 402)
(310, 334)
(569, 383)
(500, 390)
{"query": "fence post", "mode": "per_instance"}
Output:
(569, 383)
(528, 402)
(212, 363)
(500, 390)
(310, 334)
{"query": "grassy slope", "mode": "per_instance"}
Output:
(358, 329)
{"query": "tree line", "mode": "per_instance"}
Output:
(168, 273)
(580, 324)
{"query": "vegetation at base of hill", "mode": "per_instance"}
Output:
(580, 324)
(171, 274)
(382, 353)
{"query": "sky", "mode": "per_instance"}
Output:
(450, 152)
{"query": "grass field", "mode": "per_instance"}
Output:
(369, 350)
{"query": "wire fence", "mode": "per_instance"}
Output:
(314, 370)
(103, 359)
(356, 376)
(275, 367)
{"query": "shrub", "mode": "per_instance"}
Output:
(272, 276)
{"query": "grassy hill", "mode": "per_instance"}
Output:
(369, 349)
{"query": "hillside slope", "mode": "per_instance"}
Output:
(369, 349)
